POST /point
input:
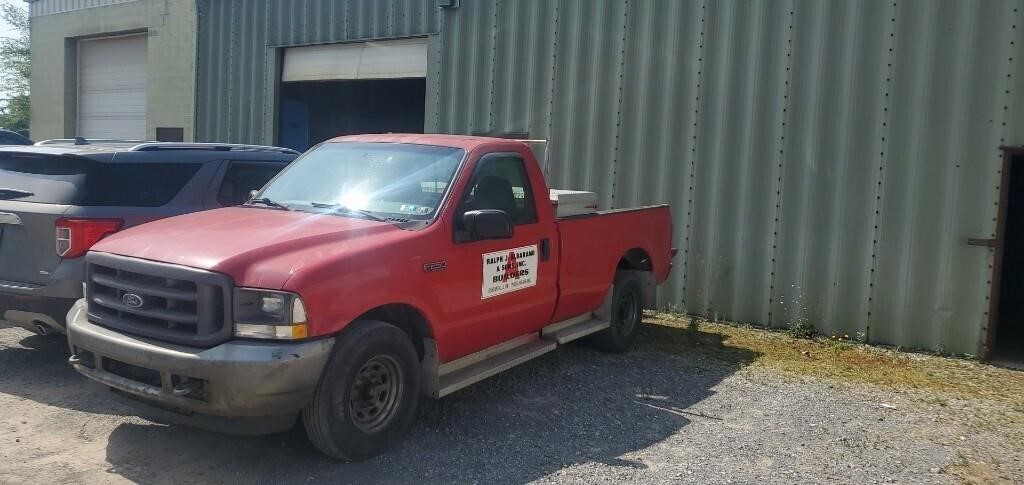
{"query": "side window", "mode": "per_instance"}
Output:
(244, 177)
(132, 184)
(500, 182)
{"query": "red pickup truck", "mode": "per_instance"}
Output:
(375, 269)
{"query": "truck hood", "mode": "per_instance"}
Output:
(256, 247)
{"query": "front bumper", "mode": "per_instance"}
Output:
(239, 386)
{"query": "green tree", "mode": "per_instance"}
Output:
(15, 68)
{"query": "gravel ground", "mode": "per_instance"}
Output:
(575, 416)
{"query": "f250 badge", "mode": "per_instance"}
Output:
(509, 270)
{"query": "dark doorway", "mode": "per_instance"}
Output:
(314, 111)
(1008, 342)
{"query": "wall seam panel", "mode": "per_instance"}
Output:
(494, 66)
(693, 154)
(618, 110)
(881, 171)
(554, 85)
(779, 183)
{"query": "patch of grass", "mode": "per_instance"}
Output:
(690, 337)
(801, 329)
(839, 358)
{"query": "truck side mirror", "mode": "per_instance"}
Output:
(252, 194)
(487, 224)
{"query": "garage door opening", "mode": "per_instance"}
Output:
(346, 89)
(314, 111)
(1007, 341)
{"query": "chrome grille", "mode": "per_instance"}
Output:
(168, 302)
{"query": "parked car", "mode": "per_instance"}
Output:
(58, 198)
(373, 270)
(8, 137)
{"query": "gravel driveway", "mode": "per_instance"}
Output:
(575, 415)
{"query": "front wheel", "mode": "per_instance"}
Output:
(626, 314)
(367, 397)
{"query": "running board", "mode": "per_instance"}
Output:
(568, 330)
(476, 367)
(444, 379)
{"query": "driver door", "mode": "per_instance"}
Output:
(503, 288)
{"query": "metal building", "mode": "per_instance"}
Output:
(835, 163)
(113, 68)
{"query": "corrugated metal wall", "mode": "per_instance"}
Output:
(237, 41)
(825, 161)
(37, 8)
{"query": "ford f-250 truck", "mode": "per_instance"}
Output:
(375, 269)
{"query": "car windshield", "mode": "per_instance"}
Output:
(375, 180)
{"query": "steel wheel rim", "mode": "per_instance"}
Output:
(375, 393)
(627, 312)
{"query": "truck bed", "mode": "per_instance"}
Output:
(586, 275)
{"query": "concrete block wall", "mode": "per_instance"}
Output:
(170, 27)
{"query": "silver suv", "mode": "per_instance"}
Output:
(59, 197)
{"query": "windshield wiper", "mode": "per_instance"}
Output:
(268, 202)
(350, 210)
(6, 193)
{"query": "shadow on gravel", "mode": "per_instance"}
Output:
(37, 370)
(572, 406)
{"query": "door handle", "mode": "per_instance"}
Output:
(545, 249)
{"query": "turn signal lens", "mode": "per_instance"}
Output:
(277, 332)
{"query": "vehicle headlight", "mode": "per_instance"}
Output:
(269, 314)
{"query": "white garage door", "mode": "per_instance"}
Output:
(112, 88)
(393, 59)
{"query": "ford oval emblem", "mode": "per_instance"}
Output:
(132, 300)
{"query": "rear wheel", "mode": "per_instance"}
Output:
(367, 397)
(626, 314)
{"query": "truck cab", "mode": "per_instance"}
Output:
(374, 270)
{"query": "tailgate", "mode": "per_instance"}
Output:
(27, 252)
(35, 191)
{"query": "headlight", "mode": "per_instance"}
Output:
(269, 314)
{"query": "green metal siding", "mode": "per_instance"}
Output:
(825, 161)
(814, 173)
(238, 52)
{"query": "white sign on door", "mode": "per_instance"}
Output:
(509, 270)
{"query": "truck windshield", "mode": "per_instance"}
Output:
(377, 180)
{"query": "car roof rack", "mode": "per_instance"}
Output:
(226, 147)
(148, 146)
(83, 141)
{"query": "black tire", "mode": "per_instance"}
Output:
(366, 400)
(626, 314)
